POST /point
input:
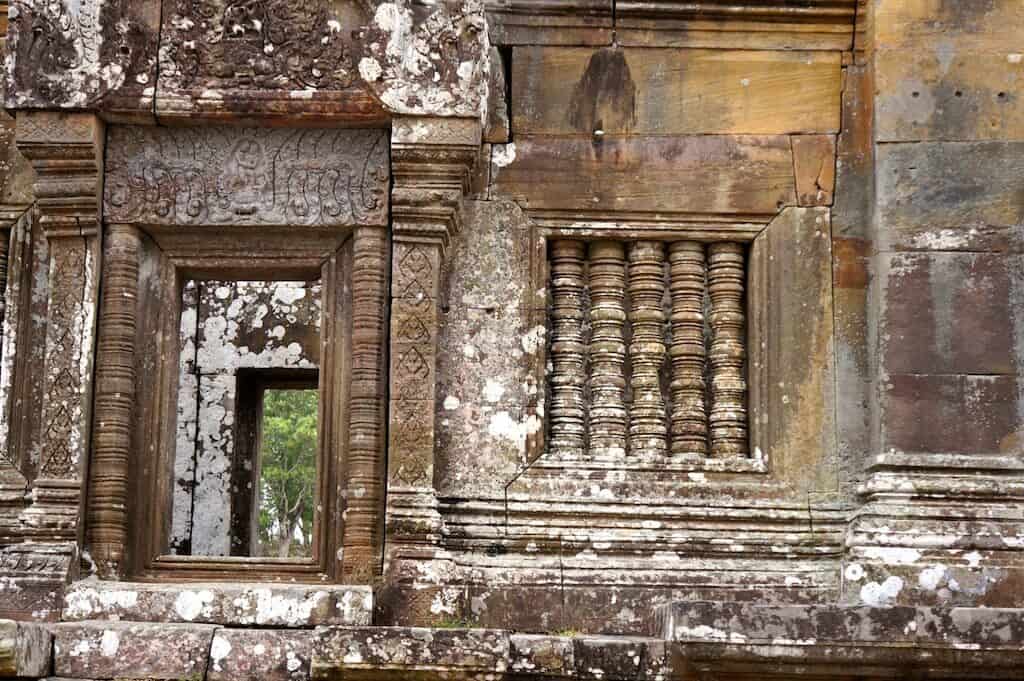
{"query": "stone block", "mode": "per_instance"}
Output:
(260, 655)
(619, 658)
(814, 160)
(699, 173)
(791, 345)
(410, 653)
(939, 92)
(576, 91)
(951, 312)
(950, 196)
(25, 649)
(950, 413)
(533, 654)
(108, 650)
(265, 605)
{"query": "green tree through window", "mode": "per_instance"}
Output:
(288, 446)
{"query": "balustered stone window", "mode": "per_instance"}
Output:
(647, 351)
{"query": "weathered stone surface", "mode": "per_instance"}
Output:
(950, 196)
(246, 176)
(363, 653)
(550, 22)
(951, 313)
(777, 24)
(220, 59)
(496, 127)
(487, 348)
(561, 91)
(263, 605)
(107, 650)
(939, 92)
(428, 59)
(259, 655)
(25, 649)
(79, 55)
(701, 174)
(792, 399)
(814, 160)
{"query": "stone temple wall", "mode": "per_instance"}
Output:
(654, 339)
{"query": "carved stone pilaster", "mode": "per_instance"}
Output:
(431, 161)
(363, 534)
(115, 400)
(66, 151)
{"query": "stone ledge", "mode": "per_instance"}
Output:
(24, 649)
(384, 653)
(714, 637)
(269, 605)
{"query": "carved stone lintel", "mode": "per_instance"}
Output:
(246, 176)
(115, 401)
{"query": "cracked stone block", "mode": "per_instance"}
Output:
(269, 605)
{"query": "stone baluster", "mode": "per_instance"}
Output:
(689, 416)
(115, 400)
(568, 351)
(609, 420)
(648, 433)
(728, 418)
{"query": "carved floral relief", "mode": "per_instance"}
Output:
(246, 176)
(257, 44)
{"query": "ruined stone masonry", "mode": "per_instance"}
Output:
(489, 340)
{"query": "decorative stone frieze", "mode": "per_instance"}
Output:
(247, 176)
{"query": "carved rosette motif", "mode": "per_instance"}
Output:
(689, 416)
(648, 434)
(727, 356)
(608, 417)
(568, 351)
(247, 176)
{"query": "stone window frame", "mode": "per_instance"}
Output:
(157, 408)
(543, 231)
(238, 203)
(791, 358)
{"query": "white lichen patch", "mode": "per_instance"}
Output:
(882, 595)
(192, 604)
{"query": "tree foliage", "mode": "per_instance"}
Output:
(288, 447)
